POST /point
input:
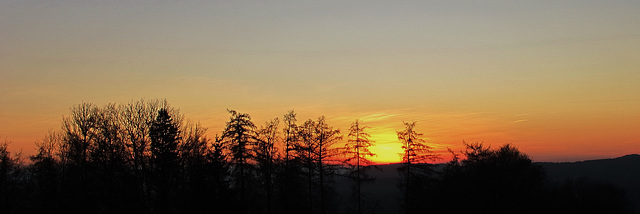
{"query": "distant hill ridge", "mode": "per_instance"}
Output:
(630, 157)
(623, 172)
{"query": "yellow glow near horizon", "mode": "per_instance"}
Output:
(387, 153)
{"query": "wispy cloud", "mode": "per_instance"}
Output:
(522, 114)
(517, 121)
(378, 117)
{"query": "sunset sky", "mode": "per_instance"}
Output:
(558, 79)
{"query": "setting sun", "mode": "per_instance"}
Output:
(387, 147)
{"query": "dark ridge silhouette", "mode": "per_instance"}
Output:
(144, 157)
(610, 178)
(622, 172)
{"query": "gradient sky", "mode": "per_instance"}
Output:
(558, 79)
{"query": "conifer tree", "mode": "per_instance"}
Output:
(357, 153)
(164, 135)
(291, 178)
(416, 168)
(323, 153)
(316, 151)
(305, 154)
(239, 137)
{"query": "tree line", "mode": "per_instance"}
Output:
(146, 157)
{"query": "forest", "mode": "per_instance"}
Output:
(146, 157)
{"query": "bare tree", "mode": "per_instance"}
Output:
(108, 149)
(136, 118)
(266, 157)
(78, 132)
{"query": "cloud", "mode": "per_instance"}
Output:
(517, 121)
(380, 116)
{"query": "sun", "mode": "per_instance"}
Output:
(386, 147)
(387, 153)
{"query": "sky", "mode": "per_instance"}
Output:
(560, 80)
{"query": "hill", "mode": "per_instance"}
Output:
(623, 172)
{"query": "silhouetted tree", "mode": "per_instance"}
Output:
(290, 132)
(239, 136)
(164, 135)
(357, 155)
(78, 133)
(326, 138)
(111, 181)
(107, 149)
(304, 153)
(503, 180)
(136, 118)
(7, 167)
(15, 192)
(265, 154)
(203, 171)
(291, 177)
(46, 173)
(219, 168)
(317, 151)
(416, 170)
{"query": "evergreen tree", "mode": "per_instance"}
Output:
(164, 135)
